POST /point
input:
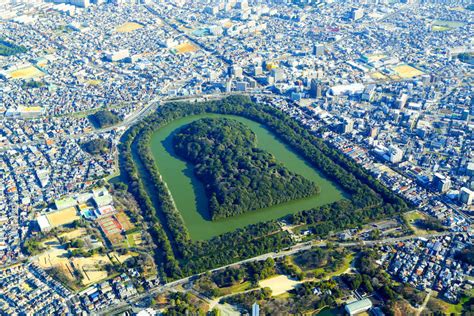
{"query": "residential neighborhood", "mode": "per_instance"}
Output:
(386, 84)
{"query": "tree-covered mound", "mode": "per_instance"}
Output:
(104, 118)
(238, 176)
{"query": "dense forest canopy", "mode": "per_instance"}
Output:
(96, 146)
(238, 177)
(104, 118)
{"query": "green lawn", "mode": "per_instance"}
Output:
(440, 28)
(130, 241)
(412, 217)
(237, 288)
(322, 271)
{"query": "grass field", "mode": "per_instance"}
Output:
(29, 72)
(440, 28)
(128, 27)
(279, 284)
(322, 273)
(236, 288)
(56, 256)
(122, 258)
(185, 48)
(74, 234)
(453, 309)
(412, 217)
(133, 240)
(406, 71)
(63, 217)
(375, 57)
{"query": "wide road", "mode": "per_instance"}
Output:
(293, 250)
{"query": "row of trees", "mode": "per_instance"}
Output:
(369, 199)
(10, 49)
(168, 266)
(238, 177)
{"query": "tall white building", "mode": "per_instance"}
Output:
(466, 196)
(395, 154)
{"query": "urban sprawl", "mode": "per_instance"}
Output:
(387, 83)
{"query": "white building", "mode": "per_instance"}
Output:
(43, 223)
(118, 55)
(358, 306)
(466, 196)
(395, 154)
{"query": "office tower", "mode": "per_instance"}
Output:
(315, 90)
(318, 49)
(441, 183)
(357, 14)
(466, 196)
(395, 154)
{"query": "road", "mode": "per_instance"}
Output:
(274, 255)
(425, 301)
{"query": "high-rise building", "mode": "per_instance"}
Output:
(395, 154)
(80, 3)
(241, 86)
(346, 126)
(315, 90)
(257, 71)
(466, 196)
(373, 131)
(318, 49)
(278, 74)
(357, 14)
(401, 101)
(236, 71)
(242, 4)
(255, 309)
(228, 86)
(441, 183)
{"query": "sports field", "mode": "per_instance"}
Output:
(93, 82)
(124, 221)
(63, 217)
(378, 76)
(26, 73)
(128, 27)
(279, 284)
(74, 234)
(406, 71)
(185, 48)
(112, 229)
(91, 268)
(440, 28)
